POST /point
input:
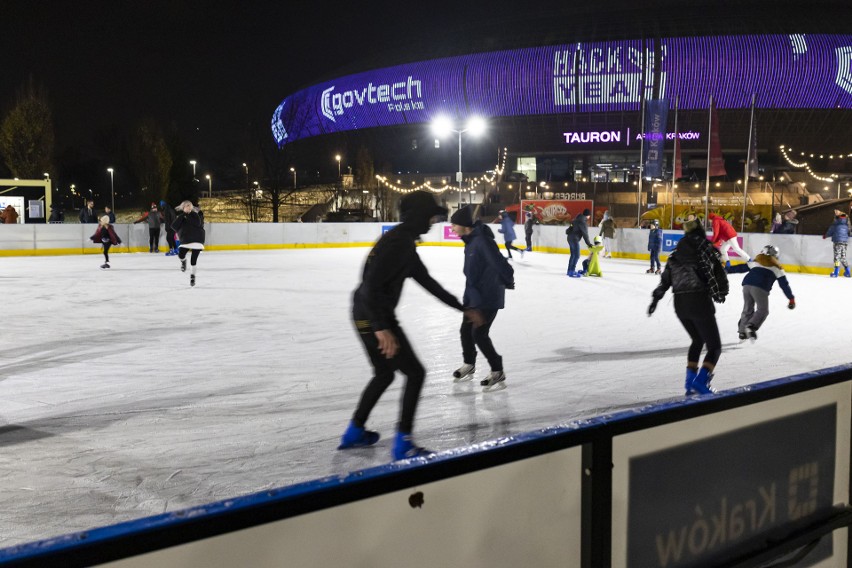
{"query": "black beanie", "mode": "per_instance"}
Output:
(420, 203)
(462, 217)
(586, 212)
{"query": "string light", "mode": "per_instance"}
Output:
(806, 165)
(427, 186)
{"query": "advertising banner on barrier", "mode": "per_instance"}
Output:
(691, 504)
(758, 218)
(556, 211)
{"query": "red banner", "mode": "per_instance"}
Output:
(717, 163)
(555, 211)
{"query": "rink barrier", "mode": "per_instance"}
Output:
(799, 253)
(736, 479)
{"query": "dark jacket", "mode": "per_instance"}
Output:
(105, 235)
(579, 230)
(88, 215)
(839, 230)
(56, 215)
(608, 228)
(392, 259)
(528, 225)
(169, 216)
(487, 271)
(695, 267)
(190, 227)
(655, 239)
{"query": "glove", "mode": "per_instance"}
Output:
(791, 305)
(510, 286)
(653, 307)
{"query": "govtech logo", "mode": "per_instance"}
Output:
(399, 97)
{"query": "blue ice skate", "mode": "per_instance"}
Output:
(701, 382)
(357, 437)
(846, 273)
(836, 270)
(690, 378)
(404, 448)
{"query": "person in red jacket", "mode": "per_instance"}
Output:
(725, 238)
(105, 235)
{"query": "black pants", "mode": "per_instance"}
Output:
(473, 337)
(529, 241)
(406, 361)
(193, 257)
(510, 247)
(106, 251)
(170, 238)
(153, 239)
(698, 316)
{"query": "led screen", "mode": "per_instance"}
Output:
(784, 71)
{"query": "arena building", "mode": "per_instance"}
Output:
(566, 100)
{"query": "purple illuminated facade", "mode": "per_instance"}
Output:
(785, 71)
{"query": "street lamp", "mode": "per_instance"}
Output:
(112, 187)
(443, 126)
(294, 177)
(192, 163)
(337, 157)
(209, 186)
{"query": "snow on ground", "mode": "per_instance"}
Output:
(126, 393)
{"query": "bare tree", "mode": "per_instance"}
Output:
(150, 158)
(26, 135)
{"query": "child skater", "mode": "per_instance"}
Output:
(105, 235)
(839, 233)
(655, 243)
(697, 278)
(591, 266)
(488, 274)
(189, 226)
(763, 271)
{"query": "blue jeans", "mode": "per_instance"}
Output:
(575, 255)
(655, 258)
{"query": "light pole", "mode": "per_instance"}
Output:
(192, 163)
(112, 187)
(294, 177)
(209, 186)
(337, 157)
(442, 126)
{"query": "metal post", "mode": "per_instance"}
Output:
(674, 166)
(748, 160)
(641, 167)
(461, 176)
(707, 183)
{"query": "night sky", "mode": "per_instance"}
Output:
(215, 70)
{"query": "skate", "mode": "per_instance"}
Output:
(836, 270)
(846, 273)
(690, 378)
(657, 271)
(743, 336)
(701, 382)
(495, 381)
(183, 265)
(649, 271)
(727, 265)
(404, 448)
(105, 265)
(464, 373)
(357, 437)
(751, 333)
(192, 279)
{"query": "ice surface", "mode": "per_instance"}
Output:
(126, 393)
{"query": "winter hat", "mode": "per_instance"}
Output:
(162, 203)
(419, 204)
(597, 240)
(586, 212)
(692, 225)
(153, 205)
(105, 220)
(655, 222)
(462, 217)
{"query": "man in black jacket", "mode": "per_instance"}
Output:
(393, 259)
(578, 230)
(695, 273)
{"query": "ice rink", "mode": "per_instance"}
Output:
(125, 393)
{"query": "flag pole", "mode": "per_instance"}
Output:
(641, 166)
(707, 184)
(674, 166)
(748, 160)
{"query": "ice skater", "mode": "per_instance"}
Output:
(578, 230)
(725, 238)
(189, 226)
(155, 219)
(695, 274)
(105, 234)
(488, 274)
(169, 216)
(607, 228)
(591, 265)
(393, 259)
(839, 233)
(763, 271)
(507, 227)
(655, 244)
(528, 229)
